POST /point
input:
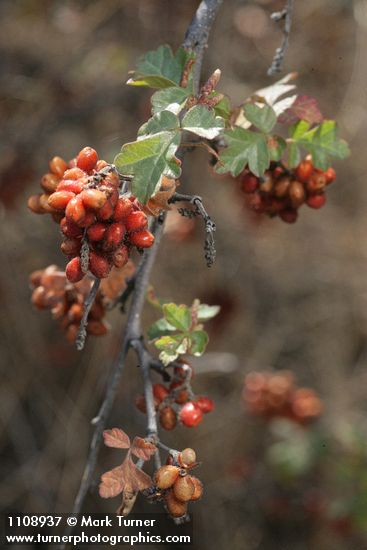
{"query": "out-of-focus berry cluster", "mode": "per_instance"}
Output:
(270, 395)
(175, 402)
(100, 225)
(282, 191)
(53, 291)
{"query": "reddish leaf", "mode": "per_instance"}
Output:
(304, 108)
(142, 448)
(128, 501)
(116, 438)
(112, 483)
(140, 479)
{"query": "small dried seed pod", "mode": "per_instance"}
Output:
(184, 488)
(281, 187)
(187, 457)
(166, 476)
(296, 193)
(198, 491)
(175, 508)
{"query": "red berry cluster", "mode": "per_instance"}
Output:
(99, 225)
(272, 395)
(176, 402)
(174, 484)
(281, 192)
(52, 290)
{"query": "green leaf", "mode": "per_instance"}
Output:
(201, 121)
(160, 68)
(199, 340)
(296, 131)
(163, 121)
(164, 98)
(206, 312)
(276, 146)
(244, 148)
(323, 143)
(148, 159)
(171, 347)
(264, 118)
(223, 108)
(178, 316)
(294, 155)
(160, 328)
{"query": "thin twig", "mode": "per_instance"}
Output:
(82, 334)
(286, 14)
(210, 228)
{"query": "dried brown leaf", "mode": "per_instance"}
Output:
(142, 448)
(159, 201)
(128, 501)
(116, 438)
(112, 483)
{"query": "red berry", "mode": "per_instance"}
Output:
(75, 187)
(142, 239)
(49, 182)
(70, 229)
(316, 183)
(122, 209)
(136, 221)
(330, 175)
(96, 231)
(249, 183)
(71, 247)
(99, 265)
(74, 271)
(121, 256)
(93, 198)
(166, 476)
(105, 213)
(255, 202)
(316, 201)
(75, 210)
(60, 199)
(205, 404)
(89, 220)
(160, 391)
(296, 193)
(190, 414)
(114, 235)
(304, 170)
(87, 159)
(288, 215)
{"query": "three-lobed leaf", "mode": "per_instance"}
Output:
(264, 118)
(202, 122)
(244, 148)
(163, 99)
(160, 122)
(178, 316)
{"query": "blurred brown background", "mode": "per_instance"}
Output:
(293, 297)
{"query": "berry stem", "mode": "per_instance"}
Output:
(82, 334)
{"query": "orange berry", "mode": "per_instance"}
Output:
(89, 220)
(187, 457)
(74, 174)
(93, 198)
(70, 229)
(75, 187)
(175, 508)
(330, 175)
(58, 166)
(160, 392)
(106, 212)
(34, 204)
(87, 159)
(316, 183)
(96, 328)
(49, 182)
(71, 247)
(183, 488)
(75, 210)
(281, 187)
(198, 488)
(60, 199)
(166, 476)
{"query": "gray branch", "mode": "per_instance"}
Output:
(286, 14)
